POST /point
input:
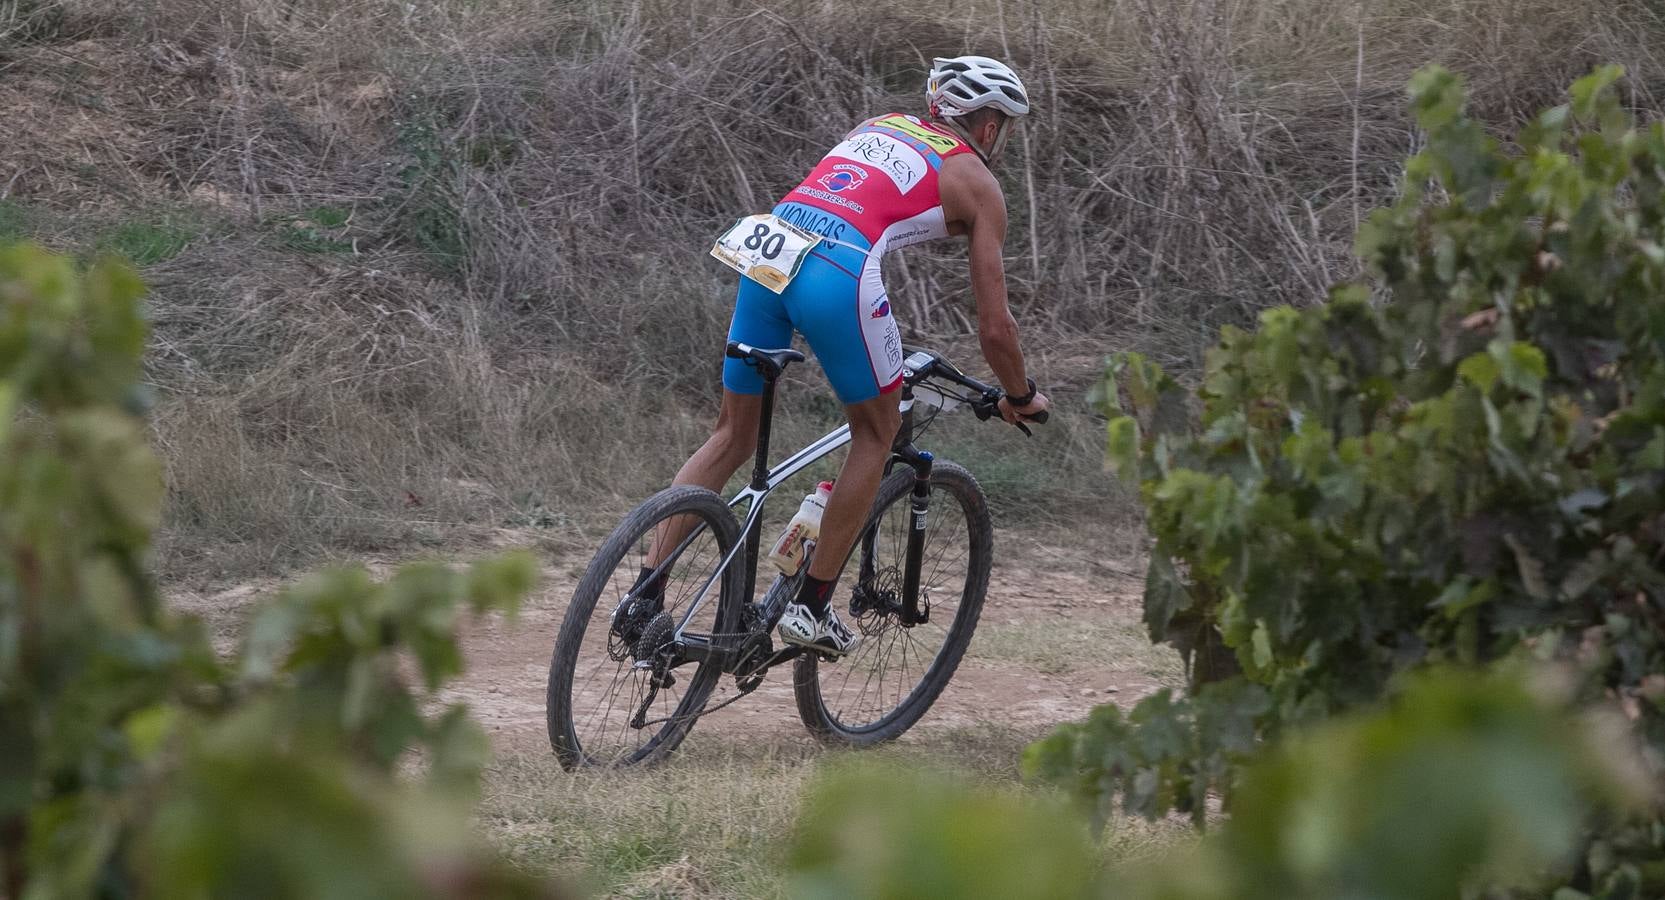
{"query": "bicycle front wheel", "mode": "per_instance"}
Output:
(889, 681)
(610, 702)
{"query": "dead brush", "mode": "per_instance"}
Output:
(451, 275)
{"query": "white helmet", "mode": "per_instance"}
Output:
(965, 83)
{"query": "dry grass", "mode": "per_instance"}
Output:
(717, 819)
(1085, 643)
(425, 269)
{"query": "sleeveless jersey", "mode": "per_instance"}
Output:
(879, 184)
(874, 192)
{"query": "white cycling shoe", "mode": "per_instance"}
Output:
(800, 626)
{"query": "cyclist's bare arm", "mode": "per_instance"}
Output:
(975, 206)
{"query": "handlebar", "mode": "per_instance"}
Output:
(988, 406)
(922, 364)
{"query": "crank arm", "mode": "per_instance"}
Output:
(782, 655)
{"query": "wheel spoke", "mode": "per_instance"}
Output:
(596, 689)
(878, 683)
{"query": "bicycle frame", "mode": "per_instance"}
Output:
(765, 480)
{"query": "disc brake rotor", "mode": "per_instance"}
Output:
(877, 600)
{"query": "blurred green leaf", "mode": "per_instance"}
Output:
(1124, 446)
(134, 759)
(1465, 779)
(876, 832)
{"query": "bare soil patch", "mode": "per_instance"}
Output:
(1054, 640)
(1059, 634)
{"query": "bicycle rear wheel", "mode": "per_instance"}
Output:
(882, 689)
(601, 676)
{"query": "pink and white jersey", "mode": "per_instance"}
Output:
(882, 180)
(875, 192)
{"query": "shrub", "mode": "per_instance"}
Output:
(1469, 471)
(134, 760)
(1460, 779)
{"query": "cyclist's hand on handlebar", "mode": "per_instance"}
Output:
(1033, 411)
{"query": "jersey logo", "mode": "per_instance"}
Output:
(843, 177)
(880, 311)
(941, 143)
(890, 155)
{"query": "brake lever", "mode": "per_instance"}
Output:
(991, 407)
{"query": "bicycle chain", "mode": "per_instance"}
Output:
(653, 683)
(710, 709)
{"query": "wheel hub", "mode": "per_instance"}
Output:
(630, 623)
(877, 600)
(654, 637)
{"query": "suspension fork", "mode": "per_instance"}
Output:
(919, 502)
(901, 450)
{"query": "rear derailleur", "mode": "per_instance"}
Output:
(655, 650)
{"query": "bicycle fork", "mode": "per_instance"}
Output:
(913, 612)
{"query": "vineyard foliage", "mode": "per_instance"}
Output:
(1459, 463)
(1461, 780)
(1464, 785)
(135, 760)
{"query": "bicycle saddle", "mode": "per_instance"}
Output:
(772, 362)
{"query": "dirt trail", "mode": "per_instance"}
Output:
(1012, 676)
(1059, 635)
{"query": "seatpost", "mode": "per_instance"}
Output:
(760, 471)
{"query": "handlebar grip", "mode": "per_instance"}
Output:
(1038, 418)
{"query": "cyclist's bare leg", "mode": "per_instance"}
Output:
(732, 443)
(873, 426)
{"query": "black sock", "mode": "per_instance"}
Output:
(657, 589)
(816, 594)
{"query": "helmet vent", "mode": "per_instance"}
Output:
(965, 83)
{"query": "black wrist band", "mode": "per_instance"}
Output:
(1026, 399)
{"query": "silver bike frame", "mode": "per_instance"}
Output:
(792, 465)
(787, 468)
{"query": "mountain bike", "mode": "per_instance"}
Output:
(629, 678)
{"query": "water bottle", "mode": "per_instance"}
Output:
(788, 552)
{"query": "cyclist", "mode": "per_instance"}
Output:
(895, 180)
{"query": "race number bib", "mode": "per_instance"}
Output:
(765, 248)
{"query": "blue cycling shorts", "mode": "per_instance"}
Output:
(837, 302)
